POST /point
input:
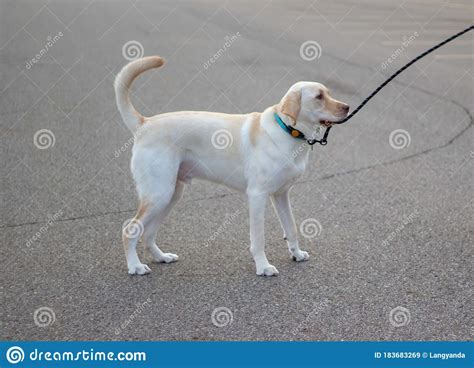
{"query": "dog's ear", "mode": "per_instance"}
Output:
(290, 105)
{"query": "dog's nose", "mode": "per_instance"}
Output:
(345, 108)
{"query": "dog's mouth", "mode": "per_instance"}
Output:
(329, 123)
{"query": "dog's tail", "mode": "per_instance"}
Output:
(123, 81)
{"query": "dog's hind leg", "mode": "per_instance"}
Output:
(156, 185)
(149, 236)
(131, 234)
(151, 211)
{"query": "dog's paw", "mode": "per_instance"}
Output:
(268, 271)
(167, 258)
(300, 256)
(138, 269)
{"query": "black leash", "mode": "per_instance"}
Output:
(324, 141)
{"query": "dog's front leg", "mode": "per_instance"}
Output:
(257, 204)
(281, 203)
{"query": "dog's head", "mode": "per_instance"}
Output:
(310, 103)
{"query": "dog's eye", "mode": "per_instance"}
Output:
(319, 96)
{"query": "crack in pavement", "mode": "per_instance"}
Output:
(99, 214)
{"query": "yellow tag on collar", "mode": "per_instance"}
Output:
(295, 133)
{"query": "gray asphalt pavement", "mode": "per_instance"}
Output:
(392, 191)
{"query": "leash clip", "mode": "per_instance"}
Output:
(322, 142)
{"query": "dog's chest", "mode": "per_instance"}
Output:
(295, 169)
(282, 173)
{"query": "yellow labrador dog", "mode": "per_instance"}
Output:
(259, 154)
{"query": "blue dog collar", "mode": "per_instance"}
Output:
(295, 133)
